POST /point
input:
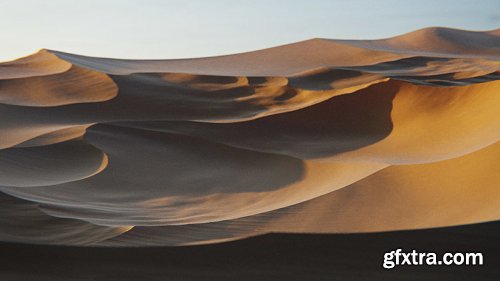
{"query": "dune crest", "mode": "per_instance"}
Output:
(339, 135)
(41, 63)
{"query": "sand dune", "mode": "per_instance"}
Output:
(452, 192)
(76, 85)
(439, 41)
(319, 136)
(50, 164)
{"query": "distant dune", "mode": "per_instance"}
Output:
(319, 136)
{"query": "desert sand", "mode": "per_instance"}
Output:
(320, 136)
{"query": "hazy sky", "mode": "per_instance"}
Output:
(193, 28)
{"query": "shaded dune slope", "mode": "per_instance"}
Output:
(318, 136)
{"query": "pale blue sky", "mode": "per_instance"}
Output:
(175, 29)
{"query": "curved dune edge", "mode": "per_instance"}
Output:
(376, 124)
(40, 64)
(339, 135)
(24, 222)
(75, 85)
(50, 164)
(452, 192)
(186, 185)
(56, 136)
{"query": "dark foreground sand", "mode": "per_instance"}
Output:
(269, 257)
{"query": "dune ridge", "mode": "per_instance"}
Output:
(323, 135)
